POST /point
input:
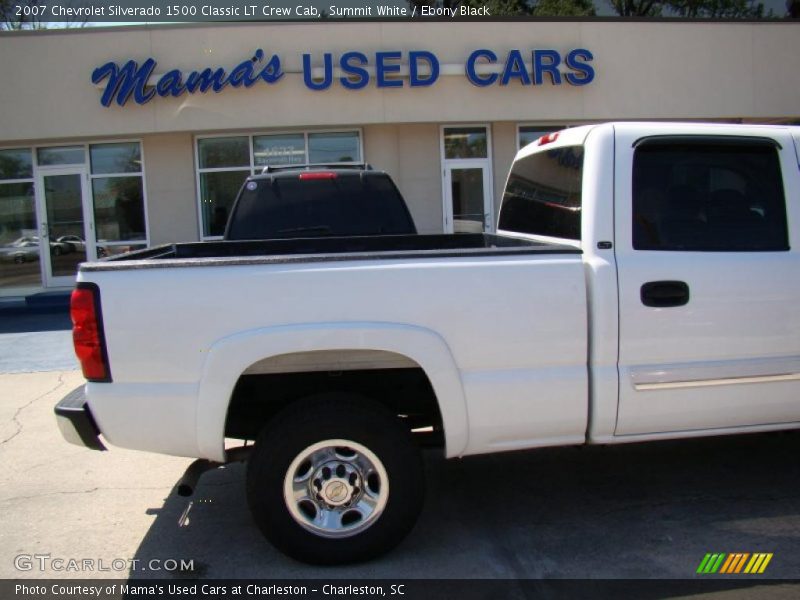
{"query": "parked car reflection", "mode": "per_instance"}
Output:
(26, 248)
(70, 243)
(21, 250)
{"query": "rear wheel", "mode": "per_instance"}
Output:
(335, 479)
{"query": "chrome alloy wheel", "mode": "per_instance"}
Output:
(336, 488)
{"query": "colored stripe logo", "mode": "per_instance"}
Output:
(734, 563)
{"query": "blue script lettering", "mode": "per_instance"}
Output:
(134, 80)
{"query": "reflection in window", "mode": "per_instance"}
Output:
(221, 152)
(543, 194)
(116, 158)
(465, 142)
(62, 155)
(528, 134)
(466, 186)
(116, 249)
(218, 190)
(19, 241)
(118, 200)
(16, 163)
(118, 208)
(333, 147)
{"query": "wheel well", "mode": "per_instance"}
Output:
(403, 388)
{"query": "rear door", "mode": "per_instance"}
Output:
(708, 270)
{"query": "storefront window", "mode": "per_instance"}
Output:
(84, 219)
(117, 196)
(116, 158)
(16, 163)
(333, 147)
(530, 133)
(19, 241)
(118, 209)
(218, 190)
(221, 152)
(223, 163)
(62, 155)
(465, 142)
(277, 150)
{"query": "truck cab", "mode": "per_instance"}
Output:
(689, 234)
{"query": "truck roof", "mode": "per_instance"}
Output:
(277, 172)
(576, 136)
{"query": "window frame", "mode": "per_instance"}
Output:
(31, 180)
(254, 170)
(141, 172)
(486, 164)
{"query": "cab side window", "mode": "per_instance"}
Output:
(714, 195)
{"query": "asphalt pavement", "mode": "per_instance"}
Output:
(635, 511)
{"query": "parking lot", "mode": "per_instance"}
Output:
(636, 511)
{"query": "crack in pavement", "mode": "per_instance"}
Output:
(168, 487)
(89, 491)
(15, 418)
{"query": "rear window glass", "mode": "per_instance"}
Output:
(543, 194)
(708, 196)
(290, 207)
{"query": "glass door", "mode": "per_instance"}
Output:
(65, 224)
(467, 205)
(467, 164)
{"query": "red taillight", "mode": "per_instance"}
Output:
(87, 334)
(317, 175)
(548, 139)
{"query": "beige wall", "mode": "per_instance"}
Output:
(410, 154)
(504, 147)
(171, 190)
(644, 70)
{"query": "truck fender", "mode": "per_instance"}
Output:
(229, 357)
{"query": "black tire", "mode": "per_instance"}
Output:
(332, 417)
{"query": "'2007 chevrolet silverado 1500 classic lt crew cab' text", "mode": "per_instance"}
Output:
(642, 285)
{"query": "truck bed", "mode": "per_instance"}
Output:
(323, 249)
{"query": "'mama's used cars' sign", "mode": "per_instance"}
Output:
(353, 70)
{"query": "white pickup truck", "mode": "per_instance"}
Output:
(643, 284)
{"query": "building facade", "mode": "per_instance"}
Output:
(120, 138)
